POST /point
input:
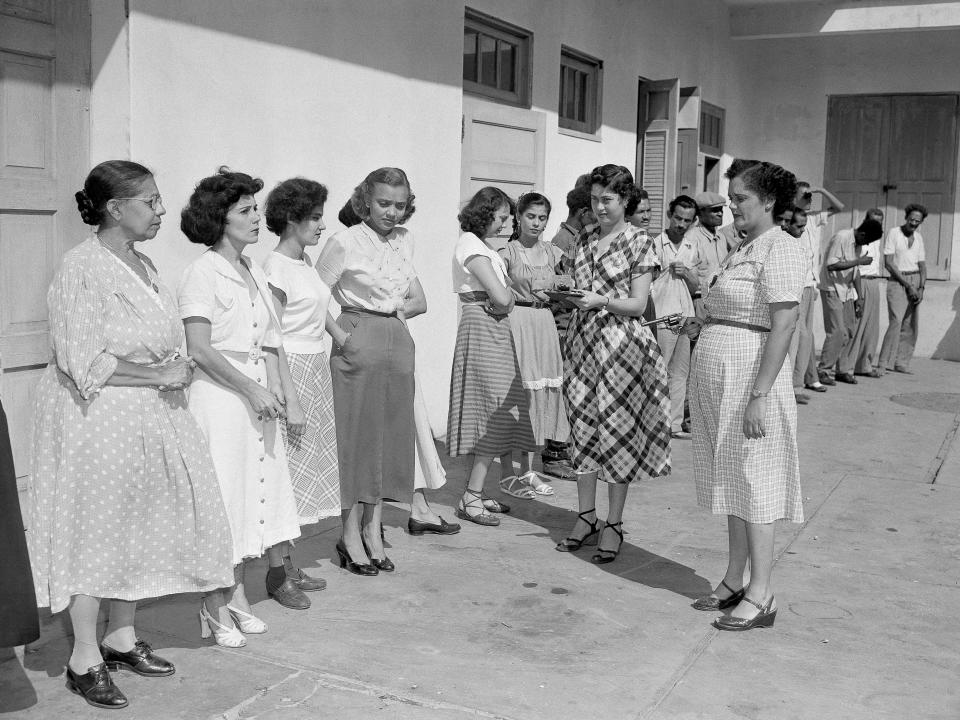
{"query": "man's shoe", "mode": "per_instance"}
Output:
(559, 469)
(304, 581)
(801, 398)
(846, 378)
(816, 388)
(289, 595)
(825, 378)
(141, 660)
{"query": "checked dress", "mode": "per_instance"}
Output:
(615, 379)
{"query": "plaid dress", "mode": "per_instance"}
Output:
(757, 480)
(614, 377)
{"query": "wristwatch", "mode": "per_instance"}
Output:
(754, 393)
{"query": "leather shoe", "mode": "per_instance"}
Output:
(365, 569)
(902, 370)
(96, 687)
(712, 602)
(415, 527)
(815, 388)
(289, 595)
(141, 660)
(825, 379)
(801, 398)
(385, 565)
(846, 378)
(304, 581)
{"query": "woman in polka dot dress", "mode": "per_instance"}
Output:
(125, 501)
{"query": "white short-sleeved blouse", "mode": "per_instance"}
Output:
(470, 246)
(308, 299)
(212, 289)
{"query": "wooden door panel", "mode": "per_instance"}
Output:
(658, 105)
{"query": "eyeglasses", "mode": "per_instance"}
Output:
(153, 201)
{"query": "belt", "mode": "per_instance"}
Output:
(735, 324)
(537, 304)
(365, 311)
(869, 277)
(909, 272)
(697, 296)
(253, 355)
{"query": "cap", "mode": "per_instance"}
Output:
(709, 200)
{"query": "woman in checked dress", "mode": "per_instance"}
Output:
(614, 376)
(741, 397)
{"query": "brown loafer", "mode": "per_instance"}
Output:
(289, 595)
(304, 581)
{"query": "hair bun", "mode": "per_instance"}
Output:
(89, 213)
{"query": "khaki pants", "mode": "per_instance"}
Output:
(861, 354)
(901, 335)
(676, 356)
(801, 343)
(839, 322)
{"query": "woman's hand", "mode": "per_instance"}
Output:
(692, 327)
(276, 389)
(753, 418)
(176, 374)
(296, 418)
(263, 401)
(590, 301)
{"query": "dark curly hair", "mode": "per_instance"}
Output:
(523, 202)
(619, 180)
(684, 201)
(204, 218)
(478, 213)
(578, 199)
(391, 176)
(770, 182)
(292, 201)
(915, 207)
(108, 180)
(347, 217)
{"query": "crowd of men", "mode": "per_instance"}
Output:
(846, 272)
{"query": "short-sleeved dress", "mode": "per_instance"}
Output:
(125, 501)
(757, 480)
(489, 412)
(535, 338)
(312, 455)
(247, 449)
(615, 380)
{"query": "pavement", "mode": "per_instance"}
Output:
(493, 623)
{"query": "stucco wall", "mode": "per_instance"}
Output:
(334, 89)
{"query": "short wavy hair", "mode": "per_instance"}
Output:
(478, 213)
(394, 177)
(915, 207)
(204, 218)
(620, 180)
(292, 201)
(769, 181)
(684, 201)
(523, 202)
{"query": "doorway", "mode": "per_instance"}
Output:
(890, 150)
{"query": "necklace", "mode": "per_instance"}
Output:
(138, 268)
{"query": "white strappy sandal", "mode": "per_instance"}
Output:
(224, 636)
(249, 624)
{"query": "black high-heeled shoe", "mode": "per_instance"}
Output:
(712, 602)
(385, 565)
(364, 569)
(608, 556)
(764, 618)
(569, 544)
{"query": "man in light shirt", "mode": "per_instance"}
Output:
(672, 292)
(793, 221)
(861, 353)
(710, 244)
(842, 295)
(905, 260)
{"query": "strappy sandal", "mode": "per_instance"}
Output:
(608, 556)
(570, 544)
(712, 602)
(532, 479)
(764, 618)
(482, 517)
(494, 506)
(514, 486)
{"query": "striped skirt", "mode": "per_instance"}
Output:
(312, 456)
(489, 410)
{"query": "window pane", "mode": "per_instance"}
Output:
(570, 99)
(508, 64)
(582, 97)
(488, 61)
(658, 105)
(469, 55)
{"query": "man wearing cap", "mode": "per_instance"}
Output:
(711, 245)
(861, 353)
(672, 291)
(842, 294)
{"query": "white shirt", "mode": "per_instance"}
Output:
(470, 246)
(212, 289)
(308, 299)
(873, 251)
(907, 251)
(670, 294)
(842, 247)
(810, 243)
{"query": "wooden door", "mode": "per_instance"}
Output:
(502, 146)
(890, 150)
(658, 105)
(44, 90)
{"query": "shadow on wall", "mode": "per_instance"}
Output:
(949, 346)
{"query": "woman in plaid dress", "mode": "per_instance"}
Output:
(741, 397)
(615, 380)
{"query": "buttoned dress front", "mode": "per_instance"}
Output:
(247, 448)
(757, 480)
(125, 501)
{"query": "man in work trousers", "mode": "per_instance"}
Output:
(861, 353)
(905, 260)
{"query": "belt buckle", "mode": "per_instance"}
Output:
(255, 354)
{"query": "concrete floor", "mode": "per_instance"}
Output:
(493, 623)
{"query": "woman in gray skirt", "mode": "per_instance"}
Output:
(369, 269)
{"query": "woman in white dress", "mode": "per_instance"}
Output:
(233, 335)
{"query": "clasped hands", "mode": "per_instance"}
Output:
(176, 374)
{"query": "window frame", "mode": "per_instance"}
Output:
(709, 110)
(593, 69)
(503, 31)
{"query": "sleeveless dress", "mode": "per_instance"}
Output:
(757, 480)
(615, 380)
